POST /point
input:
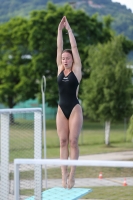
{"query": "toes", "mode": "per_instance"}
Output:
(71, 183)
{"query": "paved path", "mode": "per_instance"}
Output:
(126, 155)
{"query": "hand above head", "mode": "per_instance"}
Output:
(61, 24)
(67, 26)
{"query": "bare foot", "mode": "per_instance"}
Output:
(64, 179)
(71, 182)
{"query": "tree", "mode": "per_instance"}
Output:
(42, 40)
(35, 38)
(13, 45)
(130, 128)
(16, 80)
(107, 94)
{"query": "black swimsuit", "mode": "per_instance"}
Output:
(67, 92)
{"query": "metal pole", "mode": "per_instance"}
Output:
(16, 182)
(43, 88)
(38, 154)
(4, 145)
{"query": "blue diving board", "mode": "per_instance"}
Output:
(58, 193)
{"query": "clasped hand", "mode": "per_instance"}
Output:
(64, 24)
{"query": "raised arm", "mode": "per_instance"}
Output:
(76, 57)
(60, 44)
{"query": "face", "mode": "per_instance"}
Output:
(67, 60)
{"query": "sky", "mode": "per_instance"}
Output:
(127, 3)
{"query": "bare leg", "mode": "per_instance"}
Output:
(63, 133)
(75, 125)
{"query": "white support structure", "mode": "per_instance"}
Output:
(59, 162)
(4, 186)
(4, 150)
(16, 184)
(38, 153)
(43, 88)
(20, 110)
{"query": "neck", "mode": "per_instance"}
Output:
(68, 70)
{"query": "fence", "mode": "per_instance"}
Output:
(89, 178)
(18, 138)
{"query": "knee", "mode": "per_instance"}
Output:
(73, 143)
(63, 142)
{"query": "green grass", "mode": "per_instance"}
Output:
(91, 140)
(28, 192)
(111, 193)
(81, 172)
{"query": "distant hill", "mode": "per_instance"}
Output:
(123, 17)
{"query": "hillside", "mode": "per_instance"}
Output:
(123, 17)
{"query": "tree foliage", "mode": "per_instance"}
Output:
(28, 50)
(13, 45)
(123, 17)
(43, 34)
(108, 92)
(130, 128)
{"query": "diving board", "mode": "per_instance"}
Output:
(59, 193)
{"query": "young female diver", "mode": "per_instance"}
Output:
(69, 117)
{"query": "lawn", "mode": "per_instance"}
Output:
(110, 193)
(91, 140)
